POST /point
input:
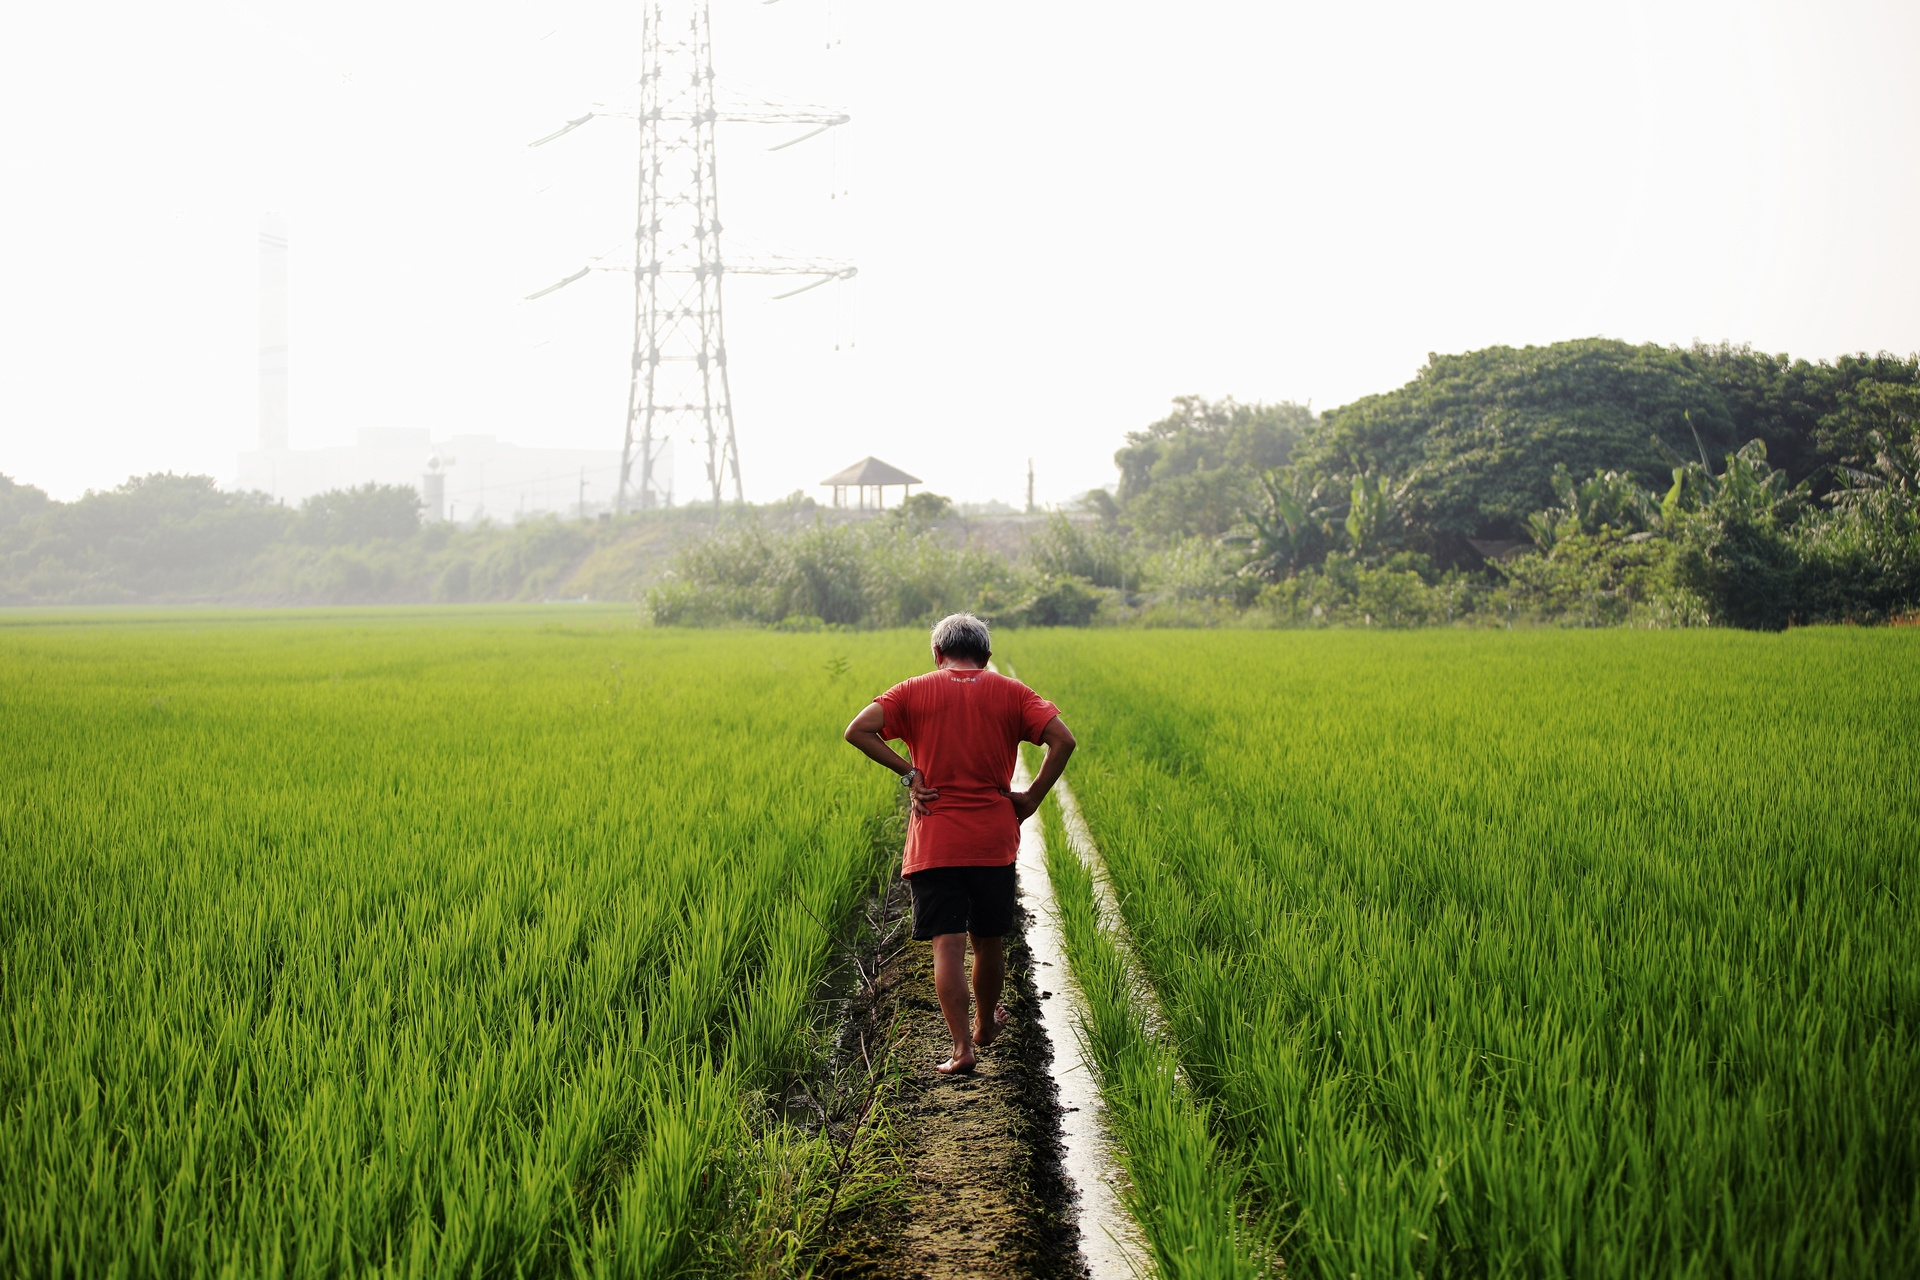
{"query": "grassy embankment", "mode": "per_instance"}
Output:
(416, 945)
(1508, 954)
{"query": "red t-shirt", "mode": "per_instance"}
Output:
(963, 729)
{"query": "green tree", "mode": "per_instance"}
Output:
(1192, 473)
(1873, 417)
(155, 535)
(1860, 561)
(347, 517)
(1477, 437)
(19, 503)
(1808, 413)
(921, 510)
(1375, 523)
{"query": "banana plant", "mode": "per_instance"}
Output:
(1608, 500)
(1892, 479)
(1286, 528)
(1373, 514)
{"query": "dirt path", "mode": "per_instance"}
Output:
(987, 1197)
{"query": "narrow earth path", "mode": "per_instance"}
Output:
(988, 1196)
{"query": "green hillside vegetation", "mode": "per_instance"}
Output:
(1588, 482)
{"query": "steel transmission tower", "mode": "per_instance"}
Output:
(679, 379)
(679, 329)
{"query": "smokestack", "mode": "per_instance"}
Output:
(273, 332)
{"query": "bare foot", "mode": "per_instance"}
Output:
(956, 1066)
(984, 1036)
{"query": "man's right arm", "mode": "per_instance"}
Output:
(868, 732)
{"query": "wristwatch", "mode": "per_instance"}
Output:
(906, 779)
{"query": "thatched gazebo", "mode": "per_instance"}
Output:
(869, 473)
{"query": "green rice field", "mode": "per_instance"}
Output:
(470, 943)
(432, 945)
(1534, 954)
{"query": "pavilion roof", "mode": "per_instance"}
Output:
(871, 470)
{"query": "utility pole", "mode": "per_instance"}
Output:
(583, 493)
(1030, 507)
(678, 380)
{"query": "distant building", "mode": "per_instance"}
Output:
(462, 478)
(273, 332)
(479, 476)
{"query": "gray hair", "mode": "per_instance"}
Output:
(961, 635)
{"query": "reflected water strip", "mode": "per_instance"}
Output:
(1109, 1238)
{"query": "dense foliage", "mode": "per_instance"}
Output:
(160, 534)
(887, 572)
(1590, 482)
(1469, 447)
(346, 517)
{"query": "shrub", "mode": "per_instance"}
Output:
(1098, 554)
(1056, 600)
(884, 573)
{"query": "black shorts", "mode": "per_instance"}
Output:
(962, 900)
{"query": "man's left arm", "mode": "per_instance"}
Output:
(1058, 740)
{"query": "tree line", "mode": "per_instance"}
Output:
(1590, 482)
(173, 538)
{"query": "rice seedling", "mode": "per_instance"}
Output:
(412, 945)
(1188, 1199)
(1518, 953)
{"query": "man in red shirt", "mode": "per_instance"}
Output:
(963, 726)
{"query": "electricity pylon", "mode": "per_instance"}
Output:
(679, 376)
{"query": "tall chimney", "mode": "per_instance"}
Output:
(273, 332)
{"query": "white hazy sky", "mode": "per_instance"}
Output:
(1064, 214)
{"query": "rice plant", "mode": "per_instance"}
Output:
(1187, 1196)
(411, 945)
(1525, 954)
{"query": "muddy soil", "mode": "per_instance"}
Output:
(986, 1196)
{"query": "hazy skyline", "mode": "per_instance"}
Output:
(1063, 216)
